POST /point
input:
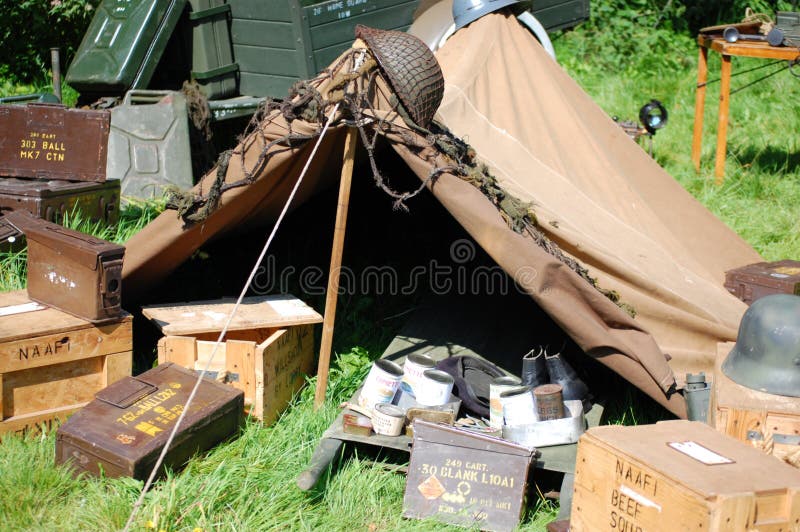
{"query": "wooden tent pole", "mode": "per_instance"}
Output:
(336, 263)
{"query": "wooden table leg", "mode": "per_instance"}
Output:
(722, 128)
(699, 106)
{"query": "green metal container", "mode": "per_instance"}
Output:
(212, 54)
(123, 45)
(560, 14)
(278, 42)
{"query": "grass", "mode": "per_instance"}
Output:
(248, 483)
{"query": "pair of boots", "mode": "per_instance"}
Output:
(542, 368)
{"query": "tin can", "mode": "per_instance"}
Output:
(388, 419)
(549, 402)
(434, 388)
(415, 365)
(518, 407)
(381, 383)
(497, 386)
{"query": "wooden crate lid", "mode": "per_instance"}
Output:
(18, 321)
(750, 470)
(257, 312)
(730, 394)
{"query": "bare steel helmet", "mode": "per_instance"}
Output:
(466, 11)
(411, 69)
(766, 356)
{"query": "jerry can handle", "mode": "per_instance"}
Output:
(144, 96)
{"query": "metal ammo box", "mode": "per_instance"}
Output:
(50, 141)
(123, 431)
(71, 271)
(54, 199)
(753, 281)
(466, 478)
(560, 14)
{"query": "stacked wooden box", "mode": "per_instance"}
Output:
(52, 363)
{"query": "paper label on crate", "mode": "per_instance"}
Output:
(700, 453)
(291, 307)
(21, 308)
(638, 497)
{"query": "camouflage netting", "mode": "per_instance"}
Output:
(354, 83)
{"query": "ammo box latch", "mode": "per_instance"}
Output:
(125, 392)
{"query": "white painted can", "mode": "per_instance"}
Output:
(413, 368)
(434, 388)
(381, 383)
(518, 406)
(496, 387)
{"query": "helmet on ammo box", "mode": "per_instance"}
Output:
(466, 11)
(410, 68)
(766, 356)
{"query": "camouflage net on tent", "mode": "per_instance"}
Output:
(352, 82)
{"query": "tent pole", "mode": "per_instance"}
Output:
(336, 264)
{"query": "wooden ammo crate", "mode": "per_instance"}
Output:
(268, 350)
(755, 281)
(52, 363)
(679, 475)
(766, 421)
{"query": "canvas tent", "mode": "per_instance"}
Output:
(595, 193)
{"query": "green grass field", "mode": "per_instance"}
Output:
(249, 483)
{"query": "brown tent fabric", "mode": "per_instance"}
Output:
(606, 197)
(597, 194)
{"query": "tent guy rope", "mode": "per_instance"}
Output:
(137, 505)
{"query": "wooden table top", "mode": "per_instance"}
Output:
(747, 48)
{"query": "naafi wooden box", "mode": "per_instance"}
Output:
(679, 475)
(52, 363)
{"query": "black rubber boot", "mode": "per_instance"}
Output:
(534, 372)
(573, 388)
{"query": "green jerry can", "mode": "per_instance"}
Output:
(278, 42)
(148, 146)
(123, 45)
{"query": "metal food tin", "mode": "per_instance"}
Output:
(549, 402)
(50, 141)
(434, 388)
(71, 271)
(413, 368)
(123, 431)
(497, 386)
(518, 406)
(388, 419)
(381, 383)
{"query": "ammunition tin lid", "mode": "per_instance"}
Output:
(80, 247)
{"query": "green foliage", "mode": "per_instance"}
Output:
(31, 27)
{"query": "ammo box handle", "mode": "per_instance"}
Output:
(125, 392)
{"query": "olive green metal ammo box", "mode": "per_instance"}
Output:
(212, 54)
(560, 14)
(278, 42)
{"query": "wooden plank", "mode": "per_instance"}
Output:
(117, 366)
(285, 360)
(699, 106)
(2, 416)
(32, 423)
(65, 345)
(204, 352)
(38, 323)
(178, 349)
(722, 119)
(36, 389)
(236, 355)
(257, 312)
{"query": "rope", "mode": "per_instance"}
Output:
(739, 73)
(252, 275)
